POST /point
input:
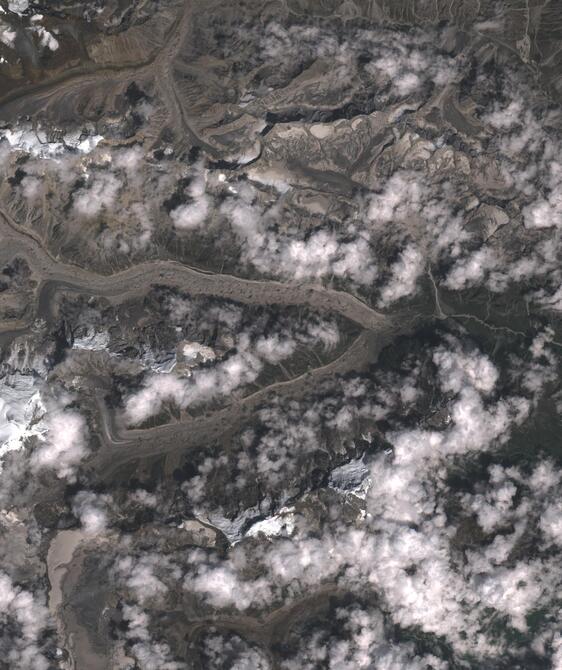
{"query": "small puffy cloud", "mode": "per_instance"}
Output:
(231, 652)
(64, 444)
(99, 193)
(274, 348)
(493, 507)
(551, 301)
(505, 118)
(545, 213)
(46, 39)
(544, 478)
(400, 194)
(404, 275)
(22, 620)
(323, 331)
(144, 498)
(91, 511)
(321, 254)
(211, 377)
(31, 187)
(539, 344)
(129, 159)
(400, 65)
(7, 35)
(360, 642)
(458, 369)
(222, 586)
(191, 215)
(157, 390)
(203, 385)
(551, 522)
(471, 270)
(18, 6)
(139, 575)
(512, 591)
(149, 654)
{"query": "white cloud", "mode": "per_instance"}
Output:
(458, 369)
(275, 349)
(46, 39)
(7, 35)
(472, 269)
(551, 522)
(514, 591)
(545, 213)
(149, 400)
(150, 655)
(404, 275)
(129, 159)
(358, 642)
(99, 193)
(551, 301)
(400, 194)
(31, 187)
(494, 506)
(402, 548)
(18, 6)
(91, 511)
(203, 385)
(235, 370)
(64, 444)
(138, 574)
(192, 215)
(322, 254)
(222, 651)
(20, 647)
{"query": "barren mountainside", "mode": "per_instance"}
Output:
(280, 333)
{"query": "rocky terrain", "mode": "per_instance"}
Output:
(280, 331)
